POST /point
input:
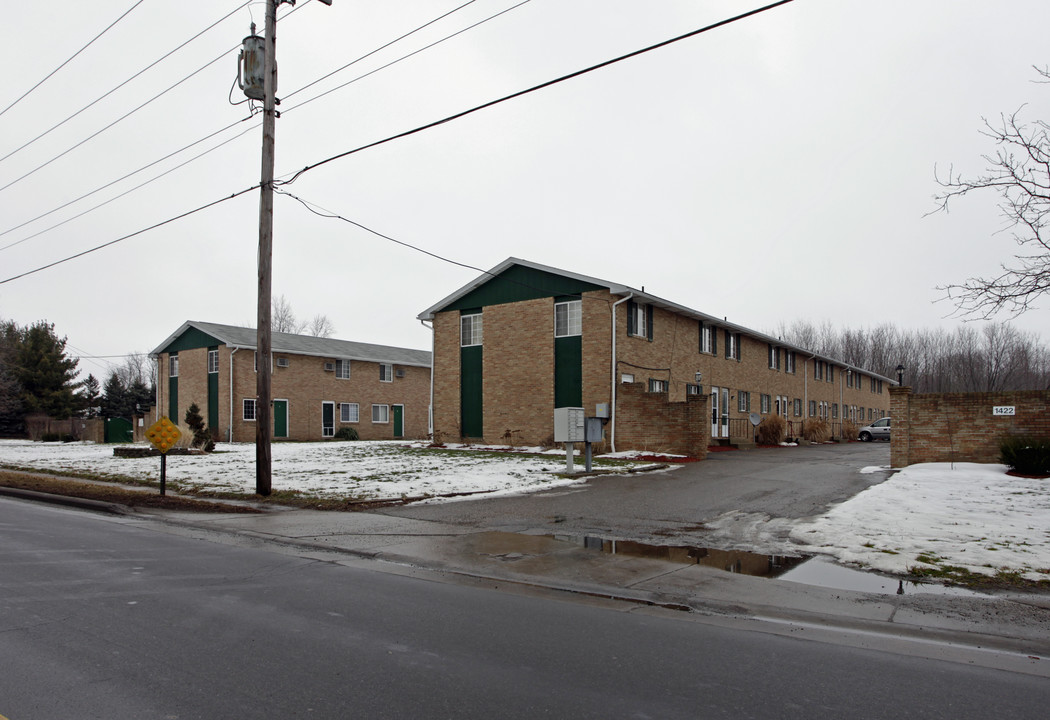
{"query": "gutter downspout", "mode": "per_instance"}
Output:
(612, 405)
(430, 410)
(229, 430)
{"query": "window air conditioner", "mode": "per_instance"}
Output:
(329, 367)
(400, 372)
(282, 362)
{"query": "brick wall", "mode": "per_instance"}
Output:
(446, 377)
(650, 422)
(960, 427)
(305, 384)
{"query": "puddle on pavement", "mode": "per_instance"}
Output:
(737, 561)
(824, 572)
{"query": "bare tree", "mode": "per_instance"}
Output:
(282, 317)
(1019, 173)
(320, 326)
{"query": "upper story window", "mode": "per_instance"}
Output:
(774, 357)
(789, 361)
(831, 373)
(342, 369)
(386, 372)
(732, 346)
(639, 320)
(568, 318)
(818, 370)
(213, 361)
(470, 330)
(173, 365)
(708, 338)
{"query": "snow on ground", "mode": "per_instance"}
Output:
(927, 516)
(363, 470)
(934, 515)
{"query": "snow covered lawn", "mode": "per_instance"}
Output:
(941, 521)
(359, 470)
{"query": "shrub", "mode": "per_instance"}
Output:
(772, 430)
(816, 431)
(849, 430)
(201, 435)
(50, 437)
(1025, 454)
(346, 433)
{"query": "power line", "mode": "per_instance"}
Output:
(534, 88)
(407, 133)
(131, 235)
(172, 154)
(140, 72)
(27, 92)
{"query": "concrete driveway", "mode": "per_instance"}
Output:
(733, 500)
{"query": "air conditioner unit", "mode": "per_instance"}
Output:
(329, 367)
(282, 362)
(400, 372)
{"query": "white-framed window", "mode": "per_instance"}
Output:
(627, 378)
(342, 369)
(774, 357)
(470, 330)
(812, 408)
(173, 365)
(638, 315)
(657, 385)
(213, 361)
(798, 407)
(248, 412)
(831, 373)
(818, 370)
(707, 338)
(568, 318)
(693, 389)
(255, 361)
(743, 401)
(386, 372)
(765, 401)
(732, 345)
(789, 361)
(349, 412)
(380, 413)
(834, 411)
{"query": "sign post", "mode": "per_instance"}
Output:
(163, 435)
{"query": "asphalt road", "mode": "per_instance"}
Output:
(731, 500)
(105, 617)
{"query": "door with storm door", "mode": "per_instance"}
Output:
(719, 412)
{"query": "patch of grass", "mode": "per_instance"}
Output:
(106, 492)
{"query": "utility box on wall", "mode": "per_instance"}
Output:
(569, 425)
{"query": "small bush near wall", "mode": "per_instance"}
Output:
(1025, 454)
(772, 430)
(849, 430)
(816, 431)
(346, 433)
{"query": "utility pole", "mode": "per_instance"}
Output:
(263, 345)
(263, 374)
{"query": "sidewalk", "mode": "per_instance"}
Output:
(1008, 622)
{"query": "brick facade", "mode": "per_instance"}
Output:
(306, 382)
(518, 373)
(960, 427)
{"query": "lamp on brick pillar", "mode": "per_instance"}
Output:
(900, 374)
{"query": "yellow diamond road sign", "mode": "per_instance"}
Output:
(163, 434)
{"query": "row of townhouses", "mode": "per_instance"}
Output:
(510, 347)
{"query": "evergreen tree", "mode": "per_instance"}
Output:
(201, 435)
(12, 411)
(115, 398)
(89, 398)
(140, 398)
(47, 375)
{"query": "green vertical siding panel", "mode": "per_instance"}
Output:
(471, 409)
(568, 371)
(173, 399)
(213, 402)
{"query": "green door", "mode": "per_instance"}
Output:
(399, 421)
(118, 430)
(280, 418)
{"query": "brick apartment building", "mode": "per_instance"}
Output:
(319, 384)
(526, 338)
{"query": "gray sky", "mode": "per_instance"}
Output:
(774, 169)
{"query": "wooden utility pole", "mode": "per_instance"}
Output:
(263, 375)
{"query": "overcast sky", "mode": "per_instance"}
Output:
(778, 168)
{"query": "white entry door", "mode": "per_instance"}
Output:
(719, 412)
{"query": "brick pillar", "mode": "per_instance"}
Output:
(900, 434)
